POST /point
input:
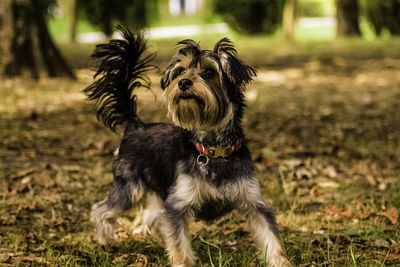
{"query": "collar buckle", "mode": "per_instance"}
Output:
(217, 152)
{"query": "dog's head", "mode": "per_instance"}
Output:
(204, 88)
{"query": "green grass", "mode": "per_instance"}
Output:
(315, 34)
(59, 28)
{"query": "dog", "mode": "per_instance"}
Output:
(196, 168)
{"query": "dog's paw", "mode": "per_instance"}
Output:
(107, 240)
(280, 261)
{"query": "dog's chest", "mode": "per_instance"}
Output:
(206, 199)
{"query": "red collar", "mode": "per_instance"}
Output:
(216, 152)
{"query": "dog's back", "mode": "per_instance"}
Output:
(145, 153)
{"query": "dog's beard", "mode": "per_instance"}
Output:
(199, 108)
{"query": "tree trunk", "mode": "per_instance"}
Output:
(26, 48)
(5, 32)
(289, 19)
(347, 18)
(73, 15)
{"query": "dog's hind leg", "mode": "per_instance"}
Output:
(122, 195)
(149, 222)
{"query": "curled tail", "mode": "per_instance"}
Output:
(122, 69)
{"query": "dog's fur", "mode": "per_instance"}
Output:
(158, 162)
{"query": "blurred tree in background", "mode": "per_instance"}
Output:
(383, 15)
(106, 14)
(73, 19)
(289, 19)
(26, 48)
(347, 15)
(251, 17)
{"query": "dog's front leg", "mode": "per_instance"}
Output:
(262, 224)
(174, 228)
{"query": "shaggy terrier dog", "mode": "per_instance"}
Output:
(198, 168)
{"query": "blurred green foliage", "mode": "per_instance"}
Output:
(383, 15)
(251, 17)
(310, 8)
(106, 14)
(315, 8)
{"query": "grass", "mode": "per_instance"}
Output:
(353, 258)
(322, 126)
(209, 252)
(59, 28)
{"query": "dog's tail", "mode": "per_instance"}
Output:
(122, 69)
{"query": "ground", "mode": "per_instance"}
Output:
(321, 123)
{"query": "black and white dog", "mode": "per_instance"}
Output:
(198, 168)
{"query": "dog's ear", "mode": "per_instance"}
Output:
(237, 71)
(188, 46)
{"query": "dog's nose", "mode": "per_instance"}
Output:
(184, 84)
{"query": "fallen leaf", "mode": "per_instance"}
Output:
(124, 258)
(371, 180)
(394, 243)
(395, 255)
(315, 191)
(29, 204)
(328, 184)
(230, 228)
(381, 243)
(392, 214)
(71, 168)
(142, 260)
(346, 214)
(330, 171)
(382, 186)
(291, 163)
(5, 257)
(363, 211)
(318, 232)
(22, 173)
(338, 213)
(268, 152)
(303, 173)
(35, 259)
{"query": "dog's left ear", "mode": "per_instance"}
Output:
(237, 71)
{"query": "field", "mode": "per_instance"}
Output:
(322, 124)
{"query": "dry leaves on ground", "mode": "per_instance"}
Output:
(392, 214)
(395, 255)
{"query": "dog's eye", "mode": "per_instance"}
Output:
(209, 73)
(181, 72)
(178, 72)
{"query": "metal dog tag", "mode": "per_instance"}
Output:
(203, 160)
